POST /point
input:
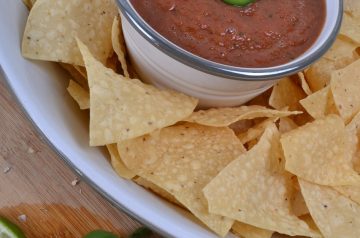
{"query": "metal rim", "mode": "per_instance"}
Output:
(217, 69)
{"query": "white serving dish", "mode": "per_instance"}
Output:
(40, 88)
(164, 64)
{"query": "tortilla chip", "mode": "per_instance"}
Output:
(32, 2)
(351, 192)
(75, 75)
(353, 128)
(53, 25)
(113, 63)
(251, 144)
(341, 54)
(298, 205)
(316, 104)
(352, 7)
(286, 124)
(118, 44)
(319, 74)
(345, 85)
(221, 117)
(335, 215)
(27, 3)
(242, 126)
(118, 164)
(122, 109)
(320, 103)
(81, 70)
(286, 93)
(256, 131)
(262, 99)
(80, 95)
(351, 28)
(304, 84)
(182, 159)
(157, 190)
(249, 231)
(247, 190)
(320, 152)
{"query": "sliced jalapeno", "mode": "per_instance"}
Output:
(241, 3)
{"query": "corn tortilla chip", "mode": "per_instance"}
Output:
(221, 117)
(32, 2)
(352, 7)
(76, 75)
(334, 214)
(354, 137)
(157, 190)
(81, 70)
(351, 192)
(112, 63)
(316, 104)
(249, 145)
(256, 131)
(182, 159)
(320, 103)
(286, 124)
(351, 28)
(286, 93)
(262, 99)
(249, 231)
(298, 204)
(122, 109)
(319, 74)
(320, 152)
(242, 126)
(304, 83)
(345, 85)
(353, 128)
(341, 54)
(118, 164)
(27, 3)
(118, 44)
(80, 95)
(168, 197)
(247, 190)
(309, 220)
(53, 25)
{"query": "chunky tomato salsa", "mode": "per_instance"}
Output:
(262, 34)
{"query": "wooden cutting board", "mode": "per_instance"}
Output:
(39, 192)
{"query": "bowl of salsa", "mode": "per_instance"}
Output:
(226, 52)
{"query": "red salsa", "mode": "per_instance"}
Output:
(262, 34)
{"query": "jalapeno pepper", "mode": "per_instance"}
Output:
(240, 3)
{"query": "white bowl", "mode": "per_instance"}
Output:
(40, 88)
(164, 64)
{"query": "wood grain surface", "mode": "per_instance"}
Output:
(39, 192)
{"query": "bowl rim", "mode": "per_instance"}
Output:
(218, 69)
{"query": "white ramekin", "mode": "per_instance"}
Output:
(164, 64)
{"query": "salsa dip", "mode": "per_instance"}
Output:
(264, 33)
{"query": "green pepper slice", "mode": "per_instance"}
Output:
(100, 234)
(241, 3)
